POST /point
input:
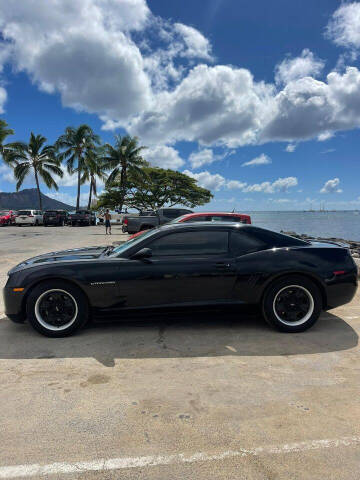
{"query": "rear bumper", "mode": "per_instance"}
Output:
(51, 221)
(342, 291)
(27, 221)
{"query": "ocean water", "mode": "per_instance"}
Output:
(345, 225)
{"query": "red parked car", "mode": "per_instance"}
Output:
(7, 217)
(208, 217)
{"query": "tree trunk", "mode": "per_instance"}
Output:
(78, 188)
(91, 189)
(38, 188)
(123, 180)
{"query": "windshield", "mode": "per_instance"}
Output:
(4, 212)
(132, 242)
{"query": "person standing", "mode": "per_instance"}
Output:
(107, 222)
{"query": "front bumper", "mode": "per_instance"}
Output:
(14, 304)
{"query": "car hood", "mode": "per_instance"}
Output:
(85, 253)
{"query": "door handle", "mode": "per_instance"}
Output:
(222, 265)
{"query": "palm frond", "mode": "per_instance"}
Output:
(48, 179)
(21, 170)
(53, 169)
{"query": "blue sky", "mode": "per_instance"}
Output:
(259, 101)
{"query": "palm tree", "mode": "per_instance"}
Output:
(123, 159)
(94, 167)
(74, 143)
(4, 132)
(34, 157)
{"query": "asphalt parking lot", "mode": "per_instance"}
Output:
(211, 395)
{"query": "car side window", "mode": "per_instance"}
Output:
(191, 243)
(242, 243)
(200, 218)
(171, 213)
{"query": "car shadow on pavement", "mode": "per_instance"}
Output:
(200, 334)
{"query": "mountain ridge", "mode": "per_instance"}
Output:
(28, 198)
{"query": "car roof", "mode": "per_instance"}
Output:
(215, 225)
(200, 214)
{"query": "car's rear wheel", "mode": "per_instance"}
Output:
(57, 308)
(292, 304)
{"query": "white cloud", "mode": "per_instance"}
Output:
(7, 174)
(235, 184)
(325, 136)
(282, 200)
(331, 186)
(344, 26)
(260, 160)
(197, 45)
(294, 68)
(203, 157)
(139, 72)
(81, 49)
(164, 157)
(290, 148)
(3, 98)
(207, 180)
(279, 185)
(308, 108)
(212, 105)
(217, 181)
(68, 180)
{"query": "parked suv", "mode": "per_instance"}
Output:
(29, 217)
(56, 217)
(82, 217)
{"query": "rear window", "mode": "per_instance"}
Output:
(51, 212)
(274, 239)
(242, 243)
(83, 212)
(24, 212)
(248, 241)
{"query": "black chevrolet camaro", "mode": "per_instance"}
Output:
(183, 265)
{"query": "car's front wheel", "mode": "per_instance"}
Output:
(292, 304)
(57, 308)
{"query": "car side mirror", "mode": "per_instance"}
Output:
(142, 254)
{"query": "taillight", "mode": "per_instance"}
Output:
(339, 272)
(126, 221)
(30, 215)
